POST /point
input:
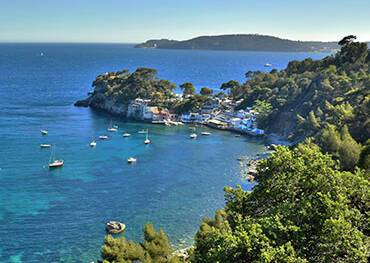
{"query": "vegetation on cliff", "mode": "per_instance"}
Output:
(122, 87)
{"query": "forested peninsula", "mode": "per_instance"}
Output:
(311, 201)
(246, 42)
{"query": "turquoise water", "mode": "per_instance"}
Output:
(59, 215)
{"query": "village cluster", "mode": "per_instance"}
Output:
(216, 113)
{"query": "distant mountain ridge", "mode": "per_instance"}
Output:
(250, 42)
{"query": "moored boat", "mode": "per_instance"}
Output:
(131, 160)
(114, 227)
(193, 136)
(54, 163)
(45, 145)
(93, 144)
(112, 128)
(44, 132)
(103, 137)
(206, 133)
(126, 134)
(147, 141)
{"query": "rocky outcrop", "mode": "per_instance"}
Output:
(101, 102)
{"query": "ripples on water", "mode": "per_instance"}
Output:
(59, 216)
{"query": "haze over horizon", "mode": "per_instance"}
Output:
(127, 21)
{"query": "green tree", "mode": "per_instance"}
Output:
(206, 91)
(156, 248)
(187, 88)
(349, 150)
(303, 209)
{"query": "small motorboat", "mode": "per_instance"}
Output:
(115, 126)
(56, 164)
(126, 134)
(147, 141)
(206, 133)
(93, 144)
(103, 137)
(142, 131)
(267, 65)
(114, 227)
(45, 145)
(44, 132)
(193, 136)
(131, 160)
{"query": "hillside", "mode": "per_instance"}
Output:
(249, 42)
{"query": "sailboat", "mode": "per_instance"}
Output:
(147, 141)
(93, 143)
(55, 163)
(112, 128)
(193, 135)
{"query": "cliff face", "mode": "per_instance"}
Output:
(101, 102)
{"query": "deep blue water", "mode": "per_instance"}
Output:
(59, 216)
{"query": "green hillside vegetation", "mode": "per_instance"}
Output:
(328, 97)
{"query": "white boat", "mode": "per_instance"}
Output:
(55, 163)
(114, 227)
(103, 137)
(142, 131)
(193, 136)
(126, 134)
(147, 141)
(267, 65)
(131, 160)
(93, 144)
(44, 132)
(206, 133)
(112, 128)
(45, 145)
(115, 126)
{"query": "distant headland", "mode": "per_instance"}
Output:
(246, 42)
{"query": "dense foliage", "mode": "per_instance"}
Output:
(311, 98)
(303, 209)
(143, 83)
(155, 248)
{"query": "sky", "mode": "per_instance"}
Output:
(133, 21)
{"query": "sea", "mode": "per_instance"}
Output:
(60, 215)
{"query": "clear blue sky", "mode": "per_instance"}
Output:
(139, 20)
